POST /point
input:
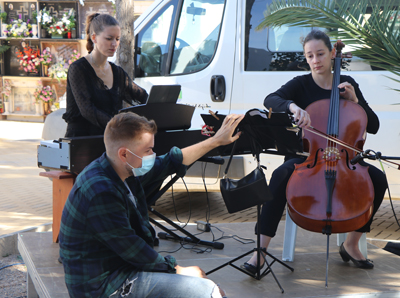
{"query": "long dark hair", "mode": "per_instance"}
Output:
(318, 35)
(95, 23)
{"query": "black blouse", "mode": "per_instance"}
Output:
(91, 104)
(302, 90)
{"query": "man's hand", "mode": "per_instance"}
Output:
(224, 135)
(195, 271)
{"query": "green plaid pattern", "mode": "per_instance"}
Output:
(104, 238)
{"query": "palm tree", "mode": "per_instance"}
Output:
(369, 26)
(125, 52)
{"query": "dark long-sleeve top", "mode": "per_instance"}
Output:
(91, 104)
(105, 234)
(302, 90)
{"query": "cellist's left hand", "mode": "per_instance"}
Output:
(348, 92)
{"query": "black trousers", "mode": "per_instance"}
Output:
(272, 211)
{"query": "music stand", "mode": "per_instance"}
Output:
(262, 131)
(169, 118)
(258, 249)
(272, 133)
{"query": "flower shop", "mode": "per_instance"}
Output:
(39, 40)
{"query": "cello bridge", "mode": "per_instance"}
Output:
(331, 154)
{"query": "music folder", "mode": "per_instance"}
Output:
(267, 133)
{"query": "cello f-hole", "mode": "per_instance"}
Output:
(351, 167)
(315, 159)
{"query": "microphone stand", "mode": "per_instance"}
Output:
(377, 156)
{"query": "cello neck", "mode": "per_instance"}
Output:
(333, 121)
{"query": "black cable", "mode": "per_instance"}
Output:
(208, 215)
(190, 205)
(193, 248)
(235, 237)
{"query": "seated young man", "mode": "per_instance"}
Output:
(106, 240)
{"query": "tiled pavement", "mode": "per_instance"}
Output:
(26, 198)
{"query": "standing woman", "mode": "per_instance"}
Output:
(294, 97)
(95, 86)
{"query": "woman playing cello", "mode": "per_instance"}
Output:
(293, 98)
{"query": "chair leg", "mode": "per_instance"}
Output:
(289, 241)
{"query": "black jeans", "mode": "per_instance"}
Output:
(272, 211)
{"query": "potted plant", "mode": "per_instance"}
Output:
(58, 29)
(44, 96)
(75, 56)
(44, 20)
(71, 23)
(19, 28)
(29, 60)
(46, 59)
(59, 70)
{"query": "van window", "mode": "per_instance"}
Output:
(152, 42)
(279, 49)
(197, 35)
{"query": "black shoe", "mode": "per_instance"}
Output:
(364, 264)
(250, 268)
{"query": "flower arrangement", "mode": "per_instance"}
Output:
(43, 93)
(6, 90)
(19, 28)
(58, 27)
(46, 57)
(59, 70)
(29, 59)
(75, 56)
(70, 16)
(44, 18)
(65, 24)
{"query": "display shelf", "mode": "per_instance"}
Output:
(21, 104)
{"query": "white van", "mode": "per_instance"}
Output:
(213, 50)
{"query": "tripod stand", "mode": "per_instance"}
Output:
(258, 249)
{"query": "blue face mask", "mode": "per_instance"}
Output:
(147, 164)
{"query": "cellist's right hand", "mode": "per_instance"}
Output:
(300, 116)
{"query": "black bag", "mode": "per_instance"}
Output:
(244, 193)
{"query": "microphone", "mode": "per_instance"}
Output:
(360, 156)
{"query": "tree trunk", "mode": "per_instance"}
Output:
(125, 17)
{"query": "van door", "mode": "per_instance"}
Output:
(180, 44)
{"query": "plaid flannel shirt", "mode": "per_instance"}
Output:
(104, 238)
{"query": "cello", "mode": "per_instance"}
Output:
(341, 197)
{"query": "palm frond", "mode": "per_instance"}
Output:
(373, 35)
